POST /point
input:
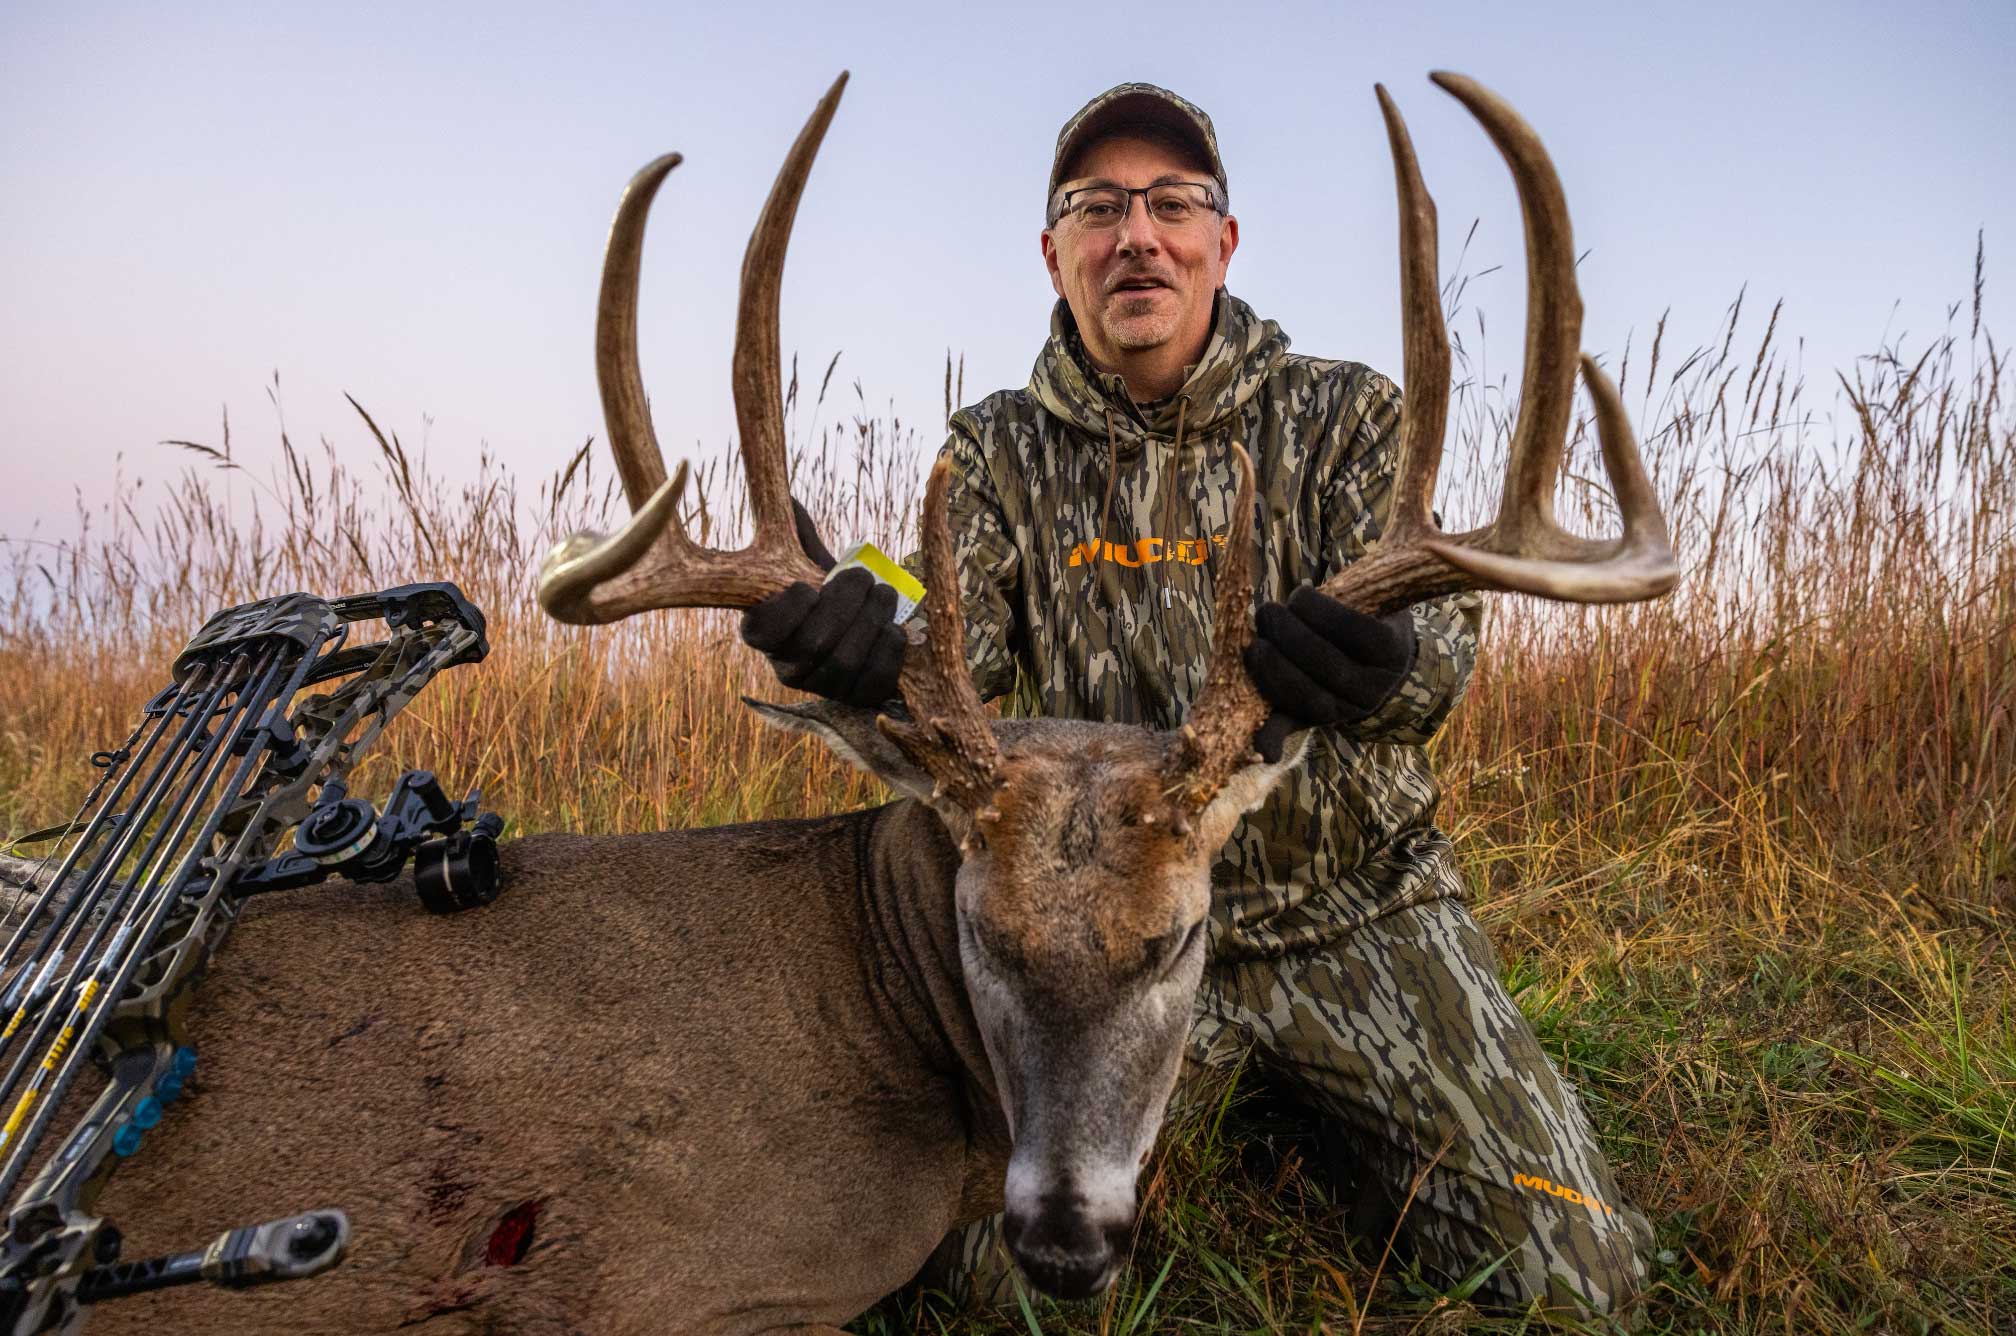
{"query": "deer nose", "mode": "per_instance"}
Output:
(1066, 1247)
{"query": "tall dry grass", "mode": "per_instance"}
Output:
(628, 727)
(1747, 850)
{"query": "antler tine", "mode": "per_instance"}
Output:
(1217, 739)
(1424, 339)
(625, 411)
(758, 368)
(950, 736)
(651, 562)
(1553, 314)
(1522, 550)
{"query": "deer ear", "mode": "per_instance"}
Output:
(850, 731)
(1245, 790)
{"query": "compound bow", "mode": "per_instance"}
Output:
(105, 955)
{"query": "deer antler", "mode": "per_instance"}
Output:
(950, 737)
(1523, 550)
(650, 562)
(1217, 739)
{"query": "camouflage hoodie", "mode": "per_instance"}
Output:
(1088, 531)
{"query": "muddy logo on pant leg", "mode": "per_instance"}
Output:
(1554, 1190)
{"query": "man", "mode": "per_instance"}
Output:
(1087, 510)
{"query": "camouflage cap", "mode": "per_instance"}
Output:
(1136, 104)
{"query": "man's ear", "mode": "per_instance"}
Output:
(1049, 244)
(1228, 241)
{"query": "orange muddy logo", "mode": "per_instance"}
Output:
(1565, 1194)
(1148, 551)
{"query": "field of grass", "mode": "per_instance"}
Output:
(1749, 853)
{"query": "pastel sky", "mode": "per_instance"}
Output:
(408, 202)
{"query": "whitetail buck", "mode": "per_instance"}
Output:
(743, 1079)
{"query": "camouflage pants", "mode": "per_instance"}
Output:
(1455, 1124)
(1404, 1035)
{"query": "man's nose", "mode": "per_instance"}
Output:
(1138, 233)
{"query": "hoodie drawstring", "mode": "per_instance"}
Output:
(1112, 477)
(1175, 470)
(1169, 524)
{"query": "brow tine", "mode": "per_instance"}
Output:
(948, 734)
(1216, 740)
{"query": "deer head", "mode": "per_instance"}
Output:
(1086, 848)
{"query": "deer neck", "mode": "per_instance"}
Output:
(909, 867)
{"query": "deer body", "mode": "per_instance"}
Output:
(734, 1069)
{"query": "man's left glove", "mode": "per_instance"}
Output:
(1318, 662)
(840, 639)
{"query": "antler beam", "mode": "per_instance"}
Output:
(1524, 549)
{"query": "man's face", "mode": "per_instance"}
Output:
(1141, 284)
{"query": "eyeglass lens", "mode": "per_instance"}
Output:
(1171, 204)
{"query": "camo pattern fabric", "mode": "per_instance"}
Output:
(1458, 1128)
(1071, 617)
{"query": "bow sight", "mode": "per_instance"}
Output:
(186, 821)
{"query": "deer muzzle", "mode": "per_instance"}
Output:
(1069, 1233)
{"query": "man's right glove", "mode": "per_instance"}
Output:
(839, 640)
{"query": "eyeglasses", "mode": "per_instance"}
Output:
(1171, 204)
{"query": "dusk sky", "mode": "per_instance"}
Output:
(409, 202)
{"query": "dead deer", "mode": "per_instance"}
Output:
(744, 1079)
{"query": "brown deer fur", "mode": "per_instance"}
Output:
(734, 1069)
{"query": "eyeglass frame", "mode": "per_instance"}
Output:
(1210, 188)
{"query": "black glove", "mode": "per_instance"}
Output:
(839, 640)
(1318, 662)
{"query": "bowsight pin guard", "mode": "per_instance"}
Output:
(252, 742)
